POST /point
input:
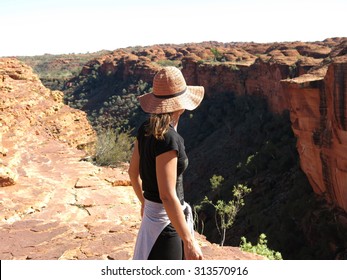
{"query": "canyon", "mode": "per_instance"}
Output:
(40, 135)
(306, 79)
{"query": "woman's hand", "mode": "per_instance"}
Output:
(192, 251)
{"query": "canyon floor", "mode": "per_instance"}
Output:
(64, 208)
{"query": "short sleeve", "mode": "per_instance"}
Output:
(169, 143)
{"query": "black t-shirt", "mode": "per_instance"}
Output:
(149, 149)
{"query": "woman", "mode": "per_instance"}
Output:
(156, 169)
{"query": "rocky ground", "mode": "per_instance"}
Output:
(65, 208)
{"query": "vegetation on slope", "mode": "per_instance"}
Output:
(108, 102)
(55, 70)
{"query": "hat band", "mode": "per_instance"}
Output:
(171, 95)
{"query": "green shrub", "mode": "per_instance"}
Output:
(218, 56)
(260, 249)
(113, 147)
(167, 62)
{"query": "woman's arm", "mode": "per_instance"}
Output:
(134, 174)
(166, 169)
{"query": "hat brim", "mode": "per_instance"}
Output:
(189, 101)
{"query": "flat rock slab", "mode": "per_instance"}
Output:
(62, 208)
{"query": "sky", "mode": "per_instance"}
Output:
(35, 27)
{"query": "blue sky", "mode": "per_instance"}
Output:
(32, 27)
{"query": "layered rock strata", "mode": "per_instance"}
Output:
(29, 110)
(319, 121)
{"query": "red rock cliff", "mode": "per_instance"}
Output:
(316, 97)
(319, 121)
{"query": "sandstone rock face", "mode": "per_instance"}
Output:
(319, 121)
(27, 105)
(259, 76)
(28, 110)
(242, 68)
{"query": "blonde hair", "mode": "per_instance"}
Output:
(158, 125)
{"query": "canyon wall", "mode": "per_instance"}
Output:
(308, 79)
(319, 121)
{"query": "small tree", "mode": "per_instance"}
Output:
(197, 221)
(225, 212)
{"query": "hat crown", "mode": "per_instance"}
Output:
(168, 81)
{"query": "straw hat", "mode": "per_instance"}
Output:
(171, 93)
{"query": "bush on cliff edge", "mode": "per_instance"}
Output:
(113, 147)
